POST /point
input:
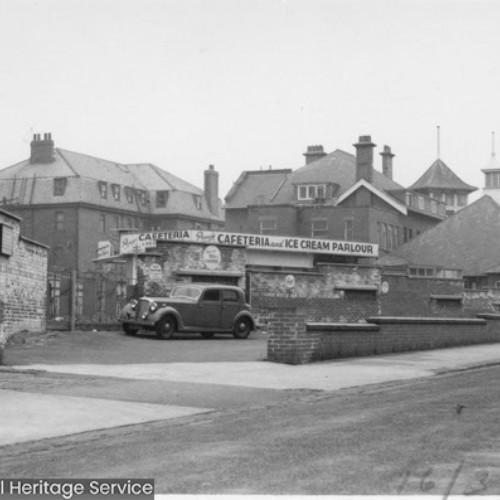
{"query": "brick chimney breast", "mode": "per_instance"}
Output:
(364, 158)
(211, 188)
(314, 153)
(387, 156)
(42, 150)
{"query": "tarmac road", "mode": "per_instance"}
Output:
(99, 404)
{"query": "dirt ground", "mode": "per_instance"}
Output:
(433, 436)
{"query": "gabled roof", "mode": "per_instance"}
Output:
(362, 183)
(468, 240)
(440, 176)
(277, 186)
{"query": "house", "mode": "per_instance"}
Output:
(466, 244)
(337, 196)
(441, 183)
(73, 201)
(77, 204)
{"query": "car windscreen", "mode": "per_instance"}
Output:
(188, 292)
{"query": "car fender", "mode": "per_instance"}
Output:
(244, 314)
(127, 313)
(163, 311)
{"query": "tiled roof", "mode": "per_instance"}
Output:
(277, 187)
(256, 187)
(28, 183)
(440, 176)
(468, 240)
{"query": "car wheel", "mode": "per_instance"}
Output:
(129, 330)
(242, 328)
(207, 335)
(166, 327)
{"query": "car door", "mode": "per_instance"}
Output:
(230, 307)
(209, 309)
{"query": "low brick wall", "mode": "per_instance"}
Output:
(293, 340)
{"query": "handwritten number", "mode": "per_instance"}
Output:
(427, 485)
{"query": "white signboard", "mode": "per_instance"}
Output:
(104, 249)
(255, 241)
(155, 272)
(212, 257)
(132, 243)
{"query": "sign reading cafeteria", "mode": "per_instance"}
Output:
(138, 242)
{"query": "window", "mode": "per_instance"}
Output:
(492, 179)
(102, 223)
(59, 221)
(197, 201)
(461, 200)
(6, 239)
(388, 244)
(408, 199)
(117, 221)
(129, 194)
(311, 191)
(103, 189)
(348, 229)
(433, 207)
(383, 237)
(229, 296)
(268, 225)
(115, 189)
(211, 295)
(319, 228)
(60, 186)
(449, 199)
(142, 196)
(161, 199)
(421, 203)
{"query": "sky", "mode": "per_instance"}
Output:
(249, 84)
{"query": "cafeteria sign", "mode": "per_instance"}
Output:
(130, 241)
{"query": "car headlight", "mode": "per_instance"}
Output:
(133, 304)
(153, 307)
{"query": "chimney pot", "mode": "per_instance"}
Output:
(42, 151)
(211, 189)
(314, 153)
(364, 158)
(387, 156)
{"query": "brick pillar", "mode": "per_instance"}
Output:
(288, 340)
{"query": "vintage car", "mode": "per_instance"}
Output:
(191, 307)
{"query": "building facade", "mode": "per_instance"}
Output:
(77, 204)
(337, 196)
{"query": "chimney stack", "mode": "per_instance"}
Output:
(314, 153)
(387, 157)
(211, 189)
(364, 158)
(42, 150)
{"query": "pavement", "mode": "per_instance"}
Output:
(21, 412)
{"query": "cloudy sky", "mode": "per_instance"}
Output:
(248, 84)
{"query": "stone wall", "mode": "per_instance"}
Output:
(170, 263)
(23, 283)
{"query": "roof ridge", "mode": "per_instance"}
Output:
(66, 161)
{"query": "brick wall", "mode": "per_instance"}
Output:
(23, 284)
(293, 340)
(478, 301)
(411, 296)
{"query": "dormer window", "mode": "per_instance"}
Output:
(129, 194)
(161, 199)
(143, 196)
(197, 201)
(492, 179)
(60, 186)
(311, 192)
(103, 189)
(115, 189)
